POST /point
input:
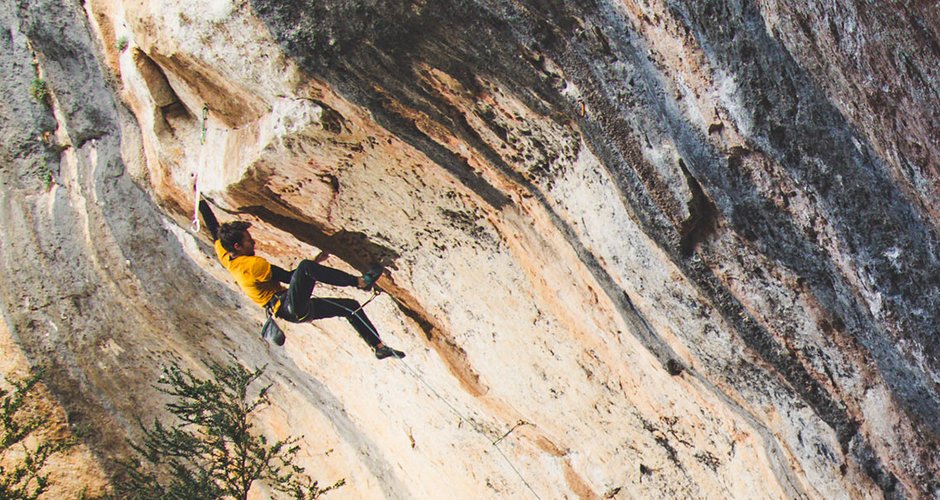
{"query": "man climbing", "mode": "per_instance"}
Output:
(262, 282)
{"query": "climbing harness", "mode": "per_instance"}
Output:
(202, 157)
(435, 393)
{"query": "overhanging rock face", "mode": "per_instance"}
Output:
(648, 249)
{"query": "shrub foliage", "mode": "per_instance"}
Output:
(23, 449)
(213, 449)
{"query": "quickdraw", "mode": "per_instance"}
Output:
(197, 193)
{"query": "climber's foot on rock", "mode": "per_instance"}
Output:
(384, 351)
(370, 277)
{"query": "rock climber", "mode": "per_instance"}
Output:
(262, 282)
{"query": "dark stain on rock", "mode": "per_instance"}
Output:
(663, 441)
(674, 367)
(331, 120)
(709, 460)
(702, 215)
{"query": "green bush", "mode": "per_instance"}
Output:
(39, 91)
(121, 44)
(45, 174)
(21, 472)
(212, 451)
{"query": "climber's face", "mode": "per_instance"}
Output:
(247, 245)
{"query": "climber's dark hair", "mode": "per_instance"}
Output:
(231, 233)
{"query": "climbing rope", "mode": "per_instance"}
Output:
(202, 157)
(375, 293)
(438, 395)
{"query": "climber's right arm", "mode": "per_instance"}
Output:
(212, 224)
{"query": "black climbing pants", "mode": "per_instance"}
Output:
(297, 306)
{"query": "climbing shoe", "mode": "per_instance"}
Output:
(386, 351)
(371, 276)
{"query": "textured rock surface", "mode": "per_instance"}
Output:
(651, 249)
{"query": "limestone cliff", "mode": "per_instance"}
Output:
(635, 249)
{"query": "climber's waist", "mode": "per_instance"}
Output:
(274, 304)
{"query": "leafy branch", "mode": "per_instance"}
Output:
(213, 450)
(21, 466)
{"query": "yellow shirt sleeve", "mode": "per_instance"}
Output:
(224, 257)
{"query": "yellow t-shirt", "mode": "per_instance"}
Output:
(252, 273)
